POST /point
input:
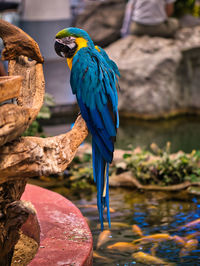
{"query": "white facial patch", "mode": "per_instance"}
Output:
(69, 41)
(71, 45)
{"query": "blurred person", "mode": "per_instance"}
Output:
(150, 17)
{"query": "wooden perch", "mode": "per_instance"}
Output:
(32, 156)
(24, 157)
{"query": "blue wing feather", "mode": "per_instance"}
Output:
(107, 154)
(110, 62)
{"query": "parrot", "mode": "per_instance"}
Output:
(94, 82)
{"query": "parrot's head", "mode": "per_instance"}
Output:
(69, 40)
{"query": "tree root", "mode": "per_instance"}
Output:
(126, 179)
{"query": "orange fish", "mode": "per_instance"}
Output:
(191, 236)
(154, 249)
(189, 246)
(153, 238)
(149, 259)
(104, 237)
(115, 225)
(124, 246)
(179, 240)
(136, 230)
(105, 259)
(192, 224)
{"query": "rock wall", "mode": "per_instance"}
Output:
(159, 77)
(102, 20)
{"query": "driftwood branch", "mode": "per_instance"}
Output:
(10, 87)
(17, 43)
(15, 119)
(24, 157)
(25, 82)
(126, 179)
(16, 214)
(32, 156)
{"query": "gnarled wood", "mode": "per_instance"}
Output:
(17, 43)
(10, 87)
(126, 179)
(19, 47)
(16, 214)
(33, 84)
(25, 157)
(13, 122)
(15, 119)
(32, 156)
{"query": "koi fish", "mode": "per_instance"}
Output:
(104, 237)
(179, 240)
(189, 246)
(154, 249)
(153, 238)
(97, 256)
(149, 259)
(136, 230)
(117, 224)
(124, 246)
(191, 224)
(191, 236)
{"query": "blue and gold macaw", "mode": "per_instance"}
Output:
(94, 82)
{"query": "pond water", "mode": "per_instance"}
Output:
(183, 132)
(154, 213)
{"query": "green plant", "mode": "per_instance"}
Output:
(162, 168)
(184, 7)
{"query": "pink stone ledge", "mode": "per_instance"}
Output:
(65, 238)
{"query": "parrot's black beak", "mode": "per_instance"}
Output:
(61, 49)
(65, 47)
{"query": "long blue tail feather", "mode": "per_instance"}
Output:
(107, 195)
(100, 172)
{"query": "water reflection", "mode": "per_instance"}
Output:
(182, 132)
(154, 213)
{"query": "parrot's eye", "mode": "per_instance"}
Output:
(70, 38)
(66, 40)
